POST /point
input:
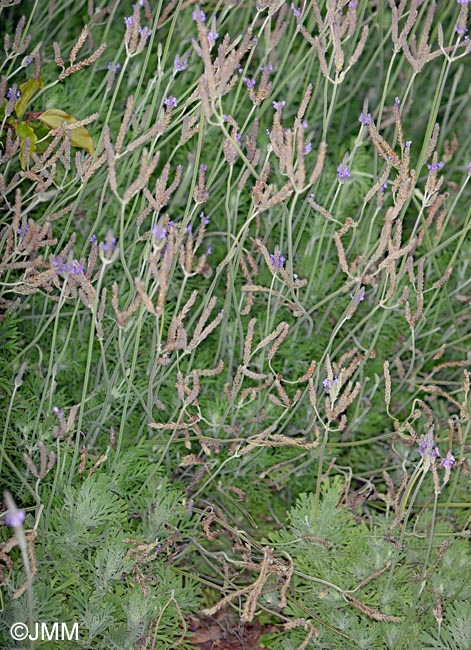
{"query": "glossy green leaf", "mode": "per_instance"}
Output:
(27, 90)
(79, 137)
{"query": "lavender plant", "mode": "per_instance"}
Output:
(234, 322)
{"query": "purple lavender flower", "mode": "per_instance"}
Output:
(328, 383)
(277, 258)
(92, 239)
(448, 461)
(27, 60)
(59, 412)
(304, 124)
(427, 446)
(189, 228)
(307, 148)
(15, 519)
(250, 83)
(209, 250)
(114, 67)
(76, 268)
(21, 232)
(180, 64)
(159, 232)
(469, 168)
(204, 167)
(129, 21)
(204, 219)
(10, 93)
(408, 143)
(397, 101)
(109, 247)
(343, 172)
(269, 68)
(241, 70)
(436, 166)
(460, 30)
(360, 297)
(364, 118)
(278, 105)
(145, 32)
(296, 12)
(212, 37)
(170, 102)
(198, 15)
(463, 2)
(353, 4)
(384, 186)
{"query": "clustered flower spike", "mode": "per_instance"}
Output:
(343, 171)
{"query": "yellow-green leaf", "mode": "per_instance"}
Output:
(23, 131)
(79, 137)
(27, 90)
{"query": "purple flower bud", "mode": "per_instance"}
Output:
(212, 37)
(277, 259)
(15, 519)
(397, 101)
(204, 219)
(128, 20)
(364, 118)
(189, 228)
(10, 93)
(204, 167)
(360, 297)
(328, 383)
(92, 239)
(114, 67)
(448, 461)
(296, 12)
(198, 15)
(250, 83)
(353, 4)
(408, 143)
(469, 168)
(209, 250)
(436, 166)
(343, 172)
(159, 232)
(304, 124)
(180, 64)
(307, 148)
(278, 105)
(145, 32)
(460, 30)
(28, 60)
(170, 102)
